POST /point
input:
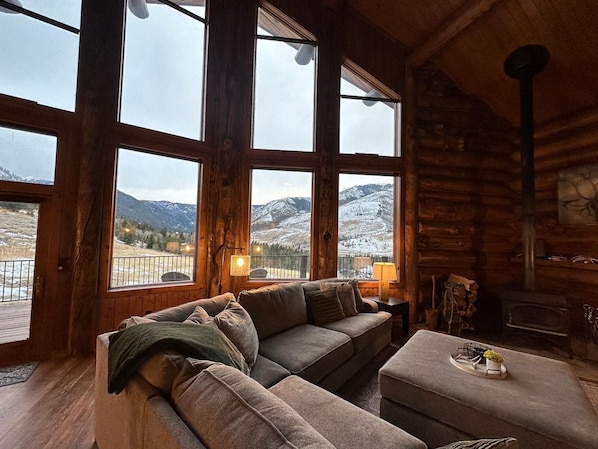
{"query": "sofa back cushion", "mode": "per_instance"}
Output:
(180, 313)
(229, 410)
(275, 308)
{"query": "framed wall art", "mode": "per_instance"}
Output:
(578, 195)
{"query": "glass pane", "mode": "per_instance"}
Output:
(284, 96)
(280, 224)
(39, 61)
(156, 219)
(163, 71)
(27, 156)
(65, 11)
(18, 237)
(367, 126)
(365, 223)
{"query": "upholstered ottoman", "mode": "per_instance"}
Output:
(540, 402)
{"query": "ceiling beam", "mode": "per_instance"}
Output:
(469, 13)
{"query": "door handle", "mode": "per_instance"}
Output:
(38, 287)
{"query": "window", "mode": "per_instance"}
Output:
(284, 87)
(27, 156)
(155, 224)
(39, 51)
(280, 224)
(163, 68)
(366, 223)
(368, 118)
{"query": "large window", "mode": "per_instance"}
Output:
(155, 224)
(367, 203)
(280, 224)
(163, 67)
(368, 118)
(284, 87)
(39, 51)
(366, 223)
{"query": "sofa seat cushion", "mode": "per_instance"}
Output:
(364, 328)
(267, 372)
(309, 351)
(339, 421)
(229, 410)
(275, 308)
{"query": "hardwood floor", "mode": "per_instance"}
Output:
(52, 409)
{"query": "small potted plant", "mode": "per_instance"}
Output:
(493, 360)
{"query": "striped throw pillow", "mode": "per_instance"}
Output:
(324, 306)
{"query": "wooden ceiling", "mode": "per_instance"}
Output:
(470, 40)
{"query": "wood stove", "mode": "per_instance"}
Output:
(524, 308)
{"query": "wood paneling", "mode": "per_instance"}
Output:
(471, 40)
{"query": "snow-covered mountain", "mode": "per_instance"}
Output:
(7, 175)
(176, 217)
(365, 218)
(365, 221)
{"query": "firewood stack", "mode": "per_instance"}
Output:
(458, 307)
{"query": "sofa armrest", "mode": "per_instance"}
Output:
(370, 306)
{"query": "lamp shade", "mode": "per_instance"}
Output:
(240, 265)
(385, 271)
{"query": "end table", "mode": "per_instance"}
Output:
(394, 306)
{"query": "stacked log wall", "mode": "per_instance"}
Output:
(566, 143)
(466, 215)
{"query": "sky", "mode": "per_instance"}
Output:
(162, 89)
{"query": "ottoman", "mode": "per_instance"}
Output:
(541, 401)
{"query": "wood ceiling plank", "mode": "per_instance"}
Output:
(468, 14)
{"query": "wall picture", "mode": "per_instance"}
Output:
(578, 195)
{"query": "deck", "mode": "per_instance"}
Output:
(14, 321)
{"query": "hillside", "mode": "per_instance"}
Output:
(365, 218)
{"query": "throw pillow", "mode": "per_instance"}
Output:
(236, 324)
(199, 316)
(324, 306)
(495, 443)
(346, 296)
(135, 320)
(358, 298)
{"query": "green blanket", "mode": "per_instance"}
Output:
(132, 346)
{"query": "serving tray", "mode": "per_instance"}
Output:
(477, 369)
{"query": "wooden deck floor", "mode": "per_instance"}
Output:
(14, 321)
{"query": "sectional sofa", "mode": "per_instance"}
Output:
(286, 347)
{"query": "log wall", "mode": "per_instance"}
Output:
(565, 143)
(466, 219)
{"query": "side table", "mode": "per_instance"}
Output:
(394, 306)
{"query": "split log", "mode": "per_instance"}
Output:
(436, 228)
(469, 160)
(466, 198)
(493, 176)
(431, 209)
(447, 258)
(567, 124)
(485, 188)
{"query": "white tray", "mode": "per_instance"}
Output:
(477, 369)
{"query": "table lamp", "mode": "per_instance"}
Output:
(384, 272)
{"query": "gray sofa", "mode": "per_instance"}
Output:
(177, 402)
